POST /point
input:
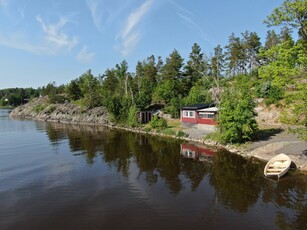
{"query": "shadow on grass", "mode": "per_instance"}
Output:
(266, 134)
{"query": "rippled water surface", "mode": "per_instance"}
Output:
(55, 176)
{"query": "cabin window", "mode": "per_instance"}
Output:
(206, 115)
(187, 113)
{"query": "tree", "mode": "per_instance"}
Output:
(197, 94)
(217, 62)
(292, 13)
(73, 90)
(236, 119)
(194, 69)
(172, 70)
(169, 85)
(145, 80)
(89, 86)
(122, 75)
(271, 39)
(281, 62)
(251, 44)
(234, 54)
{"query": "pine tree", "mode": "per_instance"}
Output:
(194, 69)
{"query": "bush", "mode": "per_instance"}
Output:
(57, 99)
(39, 108)
(182, 134)
(147, 129)
(50, 109)
(132, 117)
(271, 93)
(158, 122)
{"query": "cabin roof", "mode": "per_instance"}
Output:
(198, 106)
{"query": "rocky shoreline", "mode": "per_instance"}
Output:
(40, 109)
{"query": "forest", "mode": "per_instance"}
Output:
(232, 76)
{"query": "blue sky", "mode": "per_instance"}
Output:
(42, 41)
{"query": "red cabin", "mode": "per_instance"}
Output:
(205, 114)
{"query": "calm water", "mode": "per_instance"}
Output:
(56, 176)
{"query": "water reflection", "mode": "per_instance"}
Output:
(238, 183)
(155, 157)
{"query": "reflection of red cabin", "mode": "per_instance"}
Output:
(196, 152)
(199, 114)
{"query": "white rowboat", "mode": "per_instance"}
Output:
(277, 166)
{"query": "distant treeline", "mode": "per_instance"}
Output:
(18, 96)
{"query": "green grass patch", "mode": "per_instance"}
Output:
(168, 131)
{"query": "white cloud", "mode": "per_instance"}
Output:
(187, 17)
(85, 56)
(96, 13)
(105, 12)
(53, 42)
(129, 36)
(17, 41)
(56, 36)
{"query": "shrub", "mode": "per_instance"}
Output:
(132, 117)
(147, 129)
(182, 134)
(50, 109)
(158, 122)
(271, 93)
(39, 108)
(57, 99)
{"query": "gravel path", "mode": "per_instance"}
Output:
(281, 142)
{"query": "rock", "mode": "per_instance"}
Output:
(40, 109)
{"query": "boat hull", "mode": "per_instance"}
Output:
(277, 166)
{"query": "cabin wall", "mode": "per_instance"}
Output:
(206, 121)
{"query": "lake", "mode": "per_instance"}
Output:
(56, 176)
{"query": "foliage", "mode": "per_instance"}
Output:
(174, 107)
(271, 93)
(180, 133)
(291, 13)
(158, 122)
(73, 90)
(236, 119)
(39, 108)
(198, 94)
(89, 86)
(133, 120)
(297, 114)
(169, 132)
(17, 96)
(57, 99)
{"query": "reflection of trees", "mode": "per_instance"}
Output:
(289, 192)
(236, 181)
(54, 135)
(85, 139)
(195, 171)
(155, 157)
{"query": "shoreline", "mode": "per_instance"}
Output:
(301, 164)
(72, 114)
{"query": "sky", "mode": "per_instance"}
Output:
(43, 41)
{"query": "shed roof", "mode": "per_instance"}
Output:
(198, 106)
